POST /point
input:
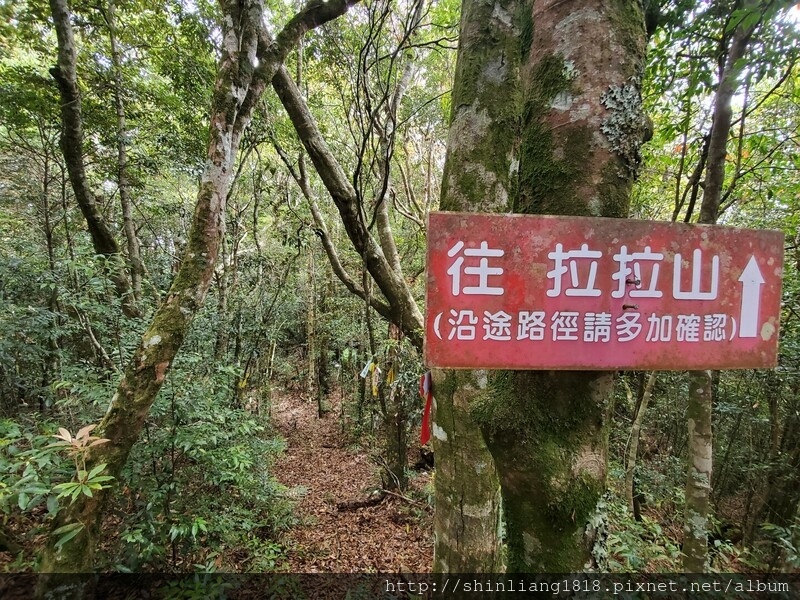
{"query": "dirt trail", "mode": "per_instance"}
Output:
(392, 536)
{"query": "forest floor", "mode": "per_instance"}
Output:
(323, 467)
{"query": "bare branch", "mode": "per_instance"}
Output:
(321, 230)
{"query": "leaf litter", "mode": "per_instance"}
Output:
(324, 471)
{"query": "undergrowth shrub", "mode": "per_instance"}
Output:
(202, 479)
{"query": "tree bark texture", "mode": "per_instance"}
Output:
(698, 479)
(239, 84)
(468, 522)
(547, 118)
(66, 77)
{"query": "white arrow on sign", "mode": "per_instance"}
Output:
(752, 280)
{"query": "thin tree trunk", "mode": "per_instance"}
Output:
(720, 475)
(323, 337)
(698, 481)
(66, 77)
(633, 446)
(700, 399)
(123, 177)
(52, 358)
(395, 420)
(311, 329)
(221, 340)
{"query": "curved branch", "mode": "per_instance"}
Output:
(341, 273)
(405, 312)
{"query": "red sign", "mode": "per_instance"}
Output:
(532, 292)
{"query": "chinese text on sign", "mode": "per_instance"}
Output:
(528, 292)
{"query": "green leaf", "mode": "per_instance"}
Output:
(100, 479)
(36, 489)
(67, 528)
(52, 504)
(69, 531)
(174, 532)
(68, 488)
(22, 500)
(97, 470)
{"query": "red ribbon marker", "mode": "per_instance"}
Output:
(425, 392)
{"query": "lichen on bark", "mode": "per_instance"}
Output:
(468, 520)
(537, 130)
(626, 126)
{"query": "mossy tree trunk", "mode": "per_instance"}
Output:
(249, 59)
(468, 522)
(547, 119)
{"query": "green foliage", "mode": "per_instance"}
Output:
(198, 492)
(636, 546)
(67, 532)
(786, 540)
(203, 478)
(29, 468)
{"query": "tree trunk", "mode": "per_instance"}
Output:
(52, 358)
(238, 87)
(311, 330)
(223, 292)
(66, 77)
(633, 447)
(123, 177)
(547, 119)
(698, 480)
(699, 409)
(468, 522)
(395, 420)
(323, 337)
